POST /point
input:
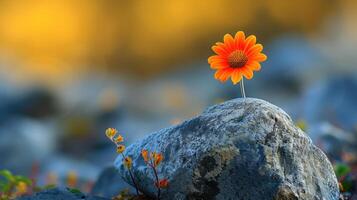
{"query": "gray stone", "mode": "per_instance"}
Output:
(295, 57)
(242, 149)
(38, 137)
(332, 140)
(60, 194)
(333, 100)
(110, 184)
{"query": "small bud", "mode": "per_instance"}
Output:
(72, 179)
(111, 132)
(119, 139)
(157, 159)
(120, 148)
(128, 162)
(21, 188)
(152, 155)
(144, 154)
(163, 183)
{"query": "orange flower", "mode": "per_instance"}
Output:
(163, 183)
(120, 148)
(144, 154)
(236, 57)
(119, 139)
(111, 132)
(157, 158)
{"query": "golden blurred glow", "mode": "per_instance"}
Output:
(109, 99)
(175, 121)
(47, 35)
(167, 29)
(175, 97)
(301, 14)
(55, 39)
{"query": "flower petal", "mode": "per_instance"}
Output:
(223, 74)
(224, 46)
(229, 41)
(249, 42)
(219, 65)
(239, 38)
(218, 74)
(254, 50)
(227, 73)
(215, 58)
(236, 76)
(259, 57)
(248, 73)
(219, 50)
(255, 66)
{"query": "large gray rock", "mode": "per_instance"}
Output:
(242, 149)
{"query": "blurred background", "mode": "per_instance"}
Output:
(70, 68)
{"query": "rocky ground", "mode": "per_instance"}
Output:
(61, 194)
(243, 149)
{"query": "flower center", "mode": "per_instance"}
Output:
(237, 59)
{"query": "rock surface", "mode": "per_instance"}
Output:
(110, 184)
(60, 194)
(241, 149)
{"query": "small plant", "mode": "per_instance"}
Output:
(342, 172)
(117, 139)
(153, 161)
(12, 186)
(236, 58)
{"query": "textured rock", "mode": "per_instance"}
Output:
(242, 150)
(110, 184)
(60, 194)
